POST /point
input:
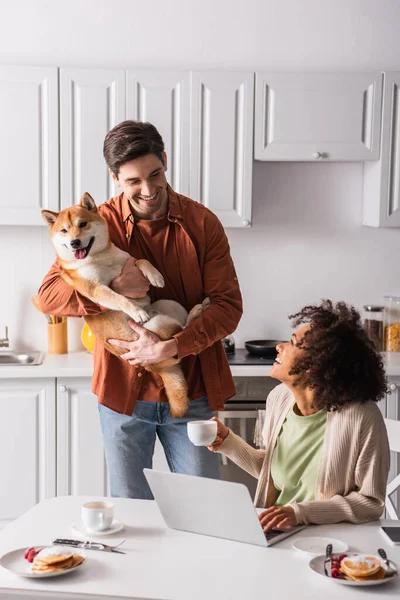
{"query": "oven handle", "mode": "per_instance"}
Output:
(237, 414)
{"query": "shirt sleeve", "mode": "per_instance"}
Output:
(56, 297)
(245, 456)
(221, 285)
(367, 501)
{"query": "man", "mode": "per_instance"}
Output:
(188, 245)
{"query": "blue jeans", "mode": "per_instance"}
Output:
(129, 445)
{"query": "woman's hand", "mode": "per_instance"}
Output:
(277, 517)
(131, 283)
(222, 434)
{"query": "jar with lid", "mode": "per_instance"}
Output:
(392, 324)
(373, 324)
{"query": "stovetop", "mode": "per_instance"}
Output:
(242, 357)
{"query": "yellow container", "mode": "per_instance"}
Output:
(87, 337)
(57, 337)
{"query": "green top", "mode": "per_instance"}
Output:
(296, 457)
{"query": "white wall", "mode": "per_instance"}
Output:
(306, 241)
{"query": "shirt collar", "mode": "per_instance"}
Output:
(174, 207)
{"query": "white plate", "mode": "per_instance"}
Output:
(80, 529)
(15, 562)
(317, 565)
(315, 546)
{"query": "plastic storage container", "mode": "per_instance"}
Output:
(373, 324)
(392, 324)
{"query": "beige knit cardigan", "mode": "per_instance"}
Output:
(354, 467)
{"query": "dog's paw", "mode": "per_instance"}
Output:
(139, 316)
(156, 279)
(194, 313)
(206, 302)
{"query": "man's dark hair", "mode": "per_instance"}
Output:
(130, 140)
(340, 363)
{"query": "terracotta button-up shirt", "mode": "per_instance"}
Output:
(190, 249)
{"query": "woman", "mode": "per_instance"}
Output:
(326, 456)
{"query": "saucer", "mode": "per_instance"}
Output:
(315, 546)
(115, 527)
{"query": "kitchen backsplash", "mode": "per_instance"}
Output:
(306, 243)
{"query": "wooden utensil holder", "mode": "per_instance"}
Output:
(57, 337)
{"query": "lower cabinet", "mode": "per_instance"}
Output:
(81, 466)
(27, 444)
(51, 443)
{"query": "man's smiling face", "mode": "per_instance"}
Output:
(144, 183)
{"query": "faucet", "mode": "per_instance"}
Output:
(5, 342)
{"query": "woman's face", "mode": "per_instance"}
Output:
(288, 352)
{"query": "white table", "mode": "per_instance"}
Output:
(165, 564)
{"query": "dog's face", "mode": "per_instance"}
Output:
(79, 232)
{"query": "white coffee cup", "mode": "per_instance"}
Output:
(202, 433)
(97, 516)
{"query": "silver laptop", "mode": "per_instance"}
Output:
(211, 507)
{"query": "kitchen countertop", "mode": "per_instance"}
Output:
(80, 364)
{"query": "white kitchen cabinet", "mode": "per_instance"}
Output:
(81, 466)
(381, 201)
(27, 445)
(390, 408)
(221, 144)
(317, 116)
(162, 98)
(29, 149)
(92, 101)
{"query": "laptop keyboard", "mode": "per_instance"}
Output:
(273, 533)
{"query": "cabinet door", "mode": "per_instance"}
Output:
(162, 98)
(320, 116)
(92, 101)
(221, 144)
(29, 149)
(27, 445)
(81, 466)
(390, 408)
(381, 202)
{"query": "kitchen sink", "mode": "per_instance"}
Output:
(10, 359)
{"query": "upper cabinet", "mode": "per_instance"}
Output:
(92, 101)
(381, 202)
(221, 144)
(306, 117)
(29, 149)
(163, 99)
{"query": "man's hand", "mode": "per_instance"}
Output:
(148, 349)
(222, 434)
(277, 517)
(131, 283)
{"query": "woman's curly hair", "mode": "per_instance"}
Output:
(339, 361)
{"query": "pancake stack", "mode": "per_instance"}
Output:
(56, 562)
(362, 568)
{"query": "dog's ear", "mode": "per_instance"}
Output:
(49, 217)
(87, 202)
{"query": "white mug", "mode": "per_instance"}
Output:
(202, 433)
(97, 516)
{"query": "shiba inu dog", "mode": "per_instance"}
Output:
(89, 261)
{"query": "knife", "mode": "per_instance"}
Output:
(328, 556)
(87, 545)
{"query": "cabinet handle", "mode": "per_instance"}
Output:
(63, 388)
(245, 223)
(393, 387)
(317, 155)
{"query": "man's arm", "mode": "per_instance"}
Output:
(222, 287)
(56, 297)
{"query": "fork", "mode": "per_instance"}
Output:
(390, 570)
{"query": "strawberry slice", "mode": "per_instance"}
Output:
(27, 551)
